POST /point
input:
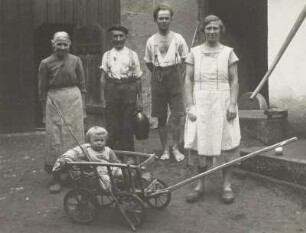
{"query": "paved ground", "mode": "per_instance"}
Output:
(26, 205)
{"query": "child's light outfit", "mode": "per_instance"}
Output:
(105, 156)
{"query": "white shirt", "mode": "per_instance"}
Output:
(177, 51)
(120, 64)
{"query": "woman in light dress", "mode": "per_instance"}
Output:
(212, 131)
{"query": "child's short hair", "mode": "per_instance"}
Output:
(96, 130)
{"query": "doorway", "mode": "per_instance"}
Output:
(246, 31)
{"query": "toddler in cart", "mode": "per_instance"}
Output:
(97, 151)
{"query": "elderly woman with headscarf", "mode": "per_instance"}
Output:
(61, 86)
(212, 124)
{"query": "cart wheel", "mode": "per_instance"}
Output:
(105, 200)
(74, 173)
(160, 201)
(133, 206)
(80, 205)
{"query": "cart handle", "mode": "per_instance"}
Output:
(149, 160)
(140, 154)
(213, 170)
(95, 164)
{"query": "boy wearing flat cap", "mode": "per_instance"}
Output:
(121, 89)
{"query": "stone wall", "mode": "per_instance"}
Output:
(137, 16)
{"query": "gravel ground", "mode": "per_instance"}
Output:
(26, 205)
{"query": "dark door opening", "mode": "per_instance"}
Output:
(246, 31)
(43, 49)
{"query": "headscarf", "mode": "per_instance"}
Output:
(61, 36)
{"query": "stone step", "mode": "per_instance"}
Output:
(290, 166)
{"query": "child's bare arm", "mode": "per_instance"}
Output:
(71, 155)
(113, 158)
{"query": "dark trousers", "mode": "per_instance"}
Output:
(119, 122)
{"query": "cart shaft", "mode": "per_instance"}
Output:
(215, 169)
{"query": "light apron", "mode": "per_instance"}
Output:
(58, 138)
(212, 132)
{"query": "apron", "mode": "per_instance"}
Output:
(212, 132)
(58, 138)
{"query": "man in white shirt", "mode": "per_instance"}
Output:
(164, 55)
(121, 89)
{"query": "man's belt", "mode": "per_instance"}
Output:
(123, 80)
(60, 87)
(166, 68)
(161, 71)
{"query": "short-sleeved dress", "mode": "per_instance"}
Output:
(212, 132)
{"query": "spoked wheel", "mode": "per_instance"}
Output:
(159, 201)
(81, 206)
(74, 173)
(105, 200)
(133, 207)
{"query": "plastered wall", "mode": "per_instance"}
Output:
(137, 15)
(287, 84)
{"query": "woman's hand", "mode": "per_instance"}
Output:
(191, 113)
(192, 116)
(231, 112)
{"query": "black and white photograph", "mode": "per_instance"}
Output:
(153, 116)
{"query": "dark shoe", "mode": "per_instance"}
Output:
(55, 187)
(228, 196)
(194, 196)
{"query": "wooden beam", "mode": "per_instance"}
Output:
(40, 12)
(93, 12)
(80, 12)
(54, 11)
(67, 11)
(26, 102)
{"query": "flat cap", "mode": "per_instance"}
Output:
(119, 28)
